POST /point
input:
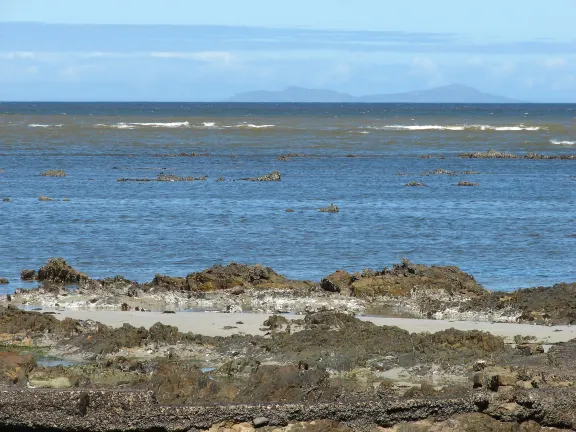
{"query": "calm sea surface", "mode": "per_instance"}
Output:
(517, 229)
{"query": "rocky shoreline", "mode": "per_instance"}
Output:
(414, 290)
(323, 369)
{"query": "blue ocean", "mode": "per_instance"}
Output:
(515, 228)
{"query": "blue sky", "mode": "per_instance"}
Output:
(200, 50)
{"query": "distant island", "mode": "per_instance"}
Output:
(454, 93)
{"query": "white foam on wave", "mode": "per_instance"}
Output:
(456, 127)
(209, 124)
(563, 142)
(253, 126)
(154, 124)
(36, 125)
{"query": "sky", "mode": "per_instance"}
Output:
(192, 50)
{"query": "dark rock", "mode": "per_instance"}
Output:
(4, 281)
(168, 312)
(273, 176)
(414, 183)
(28, 275)
(58, 271)
(124, 307)
(54, 173)
(467, 183)
(340, 282)
(330, 209)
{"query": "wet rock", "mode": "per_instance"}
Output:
(287, 384)
(15, 321)
(490, 154)
(289, 211)
(4, 281)
(418, 281)
(6, 199)
(235, 275)
(124, 307)
(14, 368)
(273, 176)
(339, 282)
(440, 171)
(540, 305)
(414, 183)
(54, 173)
(183, 154)
(58, 271)
(219, 179)
(28, 275)
(330, 209)
(239, 366)
(276, 322)
(467, 183)
(44, 198)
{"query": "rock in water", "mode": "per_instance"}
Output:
(330, 209)
(58, 271)
(54, 173)
(273, 176)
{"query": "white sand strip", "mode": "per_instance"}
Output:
(213, 323)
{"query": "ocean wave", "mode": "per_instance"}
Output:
(37, 125)
(209, 124)
(254, 126)
(457, 127)
(562, 142)
(140, 125)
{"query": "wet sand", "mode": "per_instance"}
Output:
(214, 323)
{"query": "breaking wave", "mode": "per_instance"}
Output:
(562, 142)
(37, 125)
(140, 125)
(457, 127)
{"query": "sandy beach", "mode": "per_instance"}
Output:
(218, 324)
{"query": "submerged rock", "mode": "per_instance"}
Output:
(4, 281)
(44, 198)
(273, 176)
(467, 183)
(330, 209)
(414, 183)
(54, 173)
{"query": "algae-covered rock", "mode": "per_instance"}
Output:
(409, 280)
(330, 209)
(58, 271)
(54, 173)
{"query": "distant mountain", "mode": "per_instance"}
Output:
(447, 94)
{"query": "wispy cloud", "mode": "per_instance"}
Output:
(31, 37)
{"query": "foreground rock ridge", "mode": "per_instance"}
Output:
(438, 292)
(323, 369)
(326, 371)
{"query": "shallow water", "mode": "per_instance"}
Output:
(513, 230)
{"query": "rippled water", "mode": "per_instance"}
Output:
(516, 229)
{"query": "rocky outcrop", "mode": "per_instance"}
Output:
(330, 209)
(493, 154)
(57, 271)
(407, 280)
(540, 305)
(273, 176)
(54, 173)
